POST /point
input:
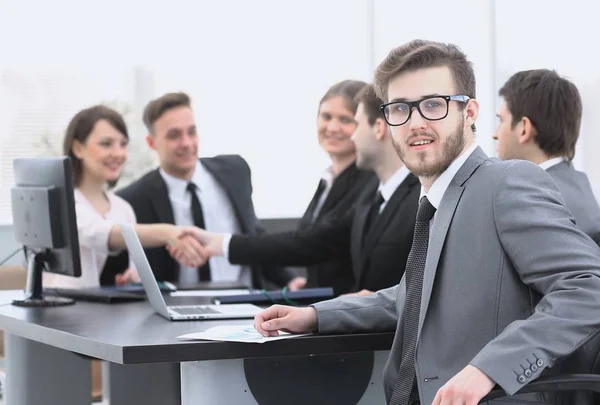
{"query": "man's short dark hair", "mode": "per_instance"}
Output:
(552, 104)
(157, 107)
(370, 103)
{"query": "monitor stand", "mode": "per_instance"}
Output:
(34, 297)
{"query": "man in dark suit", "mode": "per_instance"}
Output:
(539, 121)
(377, 234)
(500, 284)
(214, 193)
(341, 197)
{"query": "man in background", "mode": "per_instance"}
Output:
(377, 234)
(211, 193)
(539, 121)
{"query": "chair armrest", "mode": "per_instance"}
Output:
(565, 382)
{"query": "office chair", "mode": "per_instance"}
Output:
(577, 381)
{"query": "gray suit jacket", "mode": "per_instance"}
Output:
(577, 192)
(509, 282)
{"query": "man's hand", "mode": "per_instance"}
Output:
(361, 293)
(297, 283)
(212, 242)
(286, 319)
(128, 276)
(465, 388)
(186, 249)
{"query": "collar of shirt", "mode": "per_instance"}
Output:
(552, 162)
(177, 186)
(328, 177)
(439, 186)
(389, 187)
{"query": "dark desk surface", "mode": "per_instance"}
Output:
(133, 333)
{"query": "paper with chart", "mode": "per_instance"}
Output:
(236, 333)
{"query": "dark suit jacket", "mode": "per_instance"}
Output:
(577, 192)
(378, 257)
(149, 198)
(341, 200)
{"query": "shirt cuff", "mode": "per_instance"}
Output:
(225, 245)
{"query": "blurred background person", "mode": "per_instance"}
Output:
(341, 184)
(539, 120)
(96, 141)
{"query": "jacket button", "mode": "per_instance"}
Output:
(527, 373)
(534, 368)
(521, 379)
(539, 362)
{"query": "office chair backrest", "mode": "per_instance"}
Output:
(585, 360)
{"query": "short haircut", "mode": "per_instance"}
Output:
(80, 128)
(420, 54)
(370, 102)
(157, 107)
(552, 104)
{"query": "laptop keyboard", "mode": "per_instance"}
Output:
(194, 310)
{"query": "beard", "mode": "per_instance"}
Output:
(450, 150)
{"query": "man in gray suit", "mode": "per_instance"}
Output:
(539, 121)
(500, 283)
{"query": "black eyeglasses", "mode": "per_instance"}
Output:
(431, 108)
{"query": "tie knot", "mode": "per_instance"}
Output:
(192, 187)
(426, 210)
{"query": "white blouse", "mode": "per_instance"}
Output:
(93, 231)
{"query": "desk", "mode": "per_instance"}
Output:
(145, 364)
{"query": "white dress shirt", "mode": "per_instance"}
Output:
(219, 217)
(388, 188)
(93, 230)
(440, 185)
(552, 162)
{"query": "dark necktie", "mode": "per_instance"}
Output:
(415, 267)
(198, 215)
(373, 212)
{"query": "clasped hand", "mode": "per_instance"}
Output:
(192, 246)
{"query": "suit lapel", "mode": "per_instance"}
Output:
(160, 199)
(341, 185)
(441, 223)
(358, 232)
(382, 222)
(308, 214)
(224, 177)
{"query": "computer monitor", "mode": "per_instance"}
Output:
(44, 221)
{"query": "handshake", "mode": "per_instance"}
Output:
(193, 246)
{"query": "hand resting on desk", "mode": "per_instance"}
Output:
(128, 276)
(287, 319)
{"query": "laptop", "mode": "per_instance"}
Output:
(178, 312)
